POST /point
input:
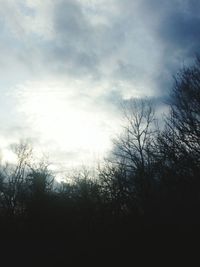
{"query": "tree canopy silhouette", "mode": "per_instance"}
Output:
(149, 182)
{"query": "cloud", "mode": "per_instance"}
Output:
(173, 27)
(125, 41)
(98, 53)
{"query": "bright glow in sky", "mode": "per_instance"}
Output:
(69, 125)
(65, 65)
(65, 120)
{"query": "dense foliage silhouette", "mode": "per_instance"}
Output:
(149, 184)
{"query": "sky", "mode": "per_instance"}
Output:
(67, 65)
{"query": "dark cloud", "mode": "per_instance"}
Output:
(73, 44)
(179, 34)
(77, 47)
(175, 25)
(180, 30)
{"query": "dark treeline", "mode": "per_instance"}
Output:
(149, 184)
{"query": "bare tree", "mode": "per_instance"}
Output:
(185, 107)
(14, 177)
(115, 187)
(128, 177)
(179, 143)
(133, 146)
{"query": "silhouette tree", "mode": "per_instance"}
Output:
(40, 180)
(116, 189)
(179, 148)
(13, 178)
(133, 145)
(133, 153)
(180, 141)
(185, 109)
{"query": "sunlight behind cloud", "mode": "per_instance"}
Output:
(63, 119)
(7, 156)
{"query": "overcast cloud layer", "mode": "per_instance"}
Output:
(69, 62)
